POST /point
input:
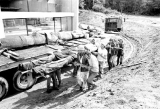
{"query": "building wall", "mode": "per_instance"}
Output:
(69, 23)
(50, 6)
(33, 5)
(70, 6)
(45, 5)
(22, 4)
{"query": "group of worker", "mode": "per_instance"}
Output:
(90, 63)
(97, 58)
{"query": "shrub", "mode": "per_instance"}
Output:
(81, 4)
(99, 8)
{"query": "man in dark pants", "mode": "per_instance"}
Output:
(75, 68)
(55, 77)
(109, 48)
(120, 52)
(79, 55)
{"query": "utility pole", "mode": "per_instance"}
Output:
(26, 18)
(47, 5)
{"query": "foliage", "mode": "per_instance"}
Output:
(81, 4)
(152, 8)
(98, 8)
(145, 7)
(86, 4)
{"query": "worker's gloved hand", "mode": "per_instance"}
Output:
(47, 76)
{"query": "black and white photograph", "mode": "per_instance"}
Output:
(79, 54)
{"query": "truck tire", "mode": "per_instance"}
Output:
(3, 87)
(23, 81)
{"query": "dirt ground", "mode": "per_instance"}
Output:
(134, 85)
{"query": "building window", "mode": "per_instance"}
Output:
(27, 26)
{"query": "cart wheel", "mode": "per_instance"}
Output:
(3, 88)
(23, 81)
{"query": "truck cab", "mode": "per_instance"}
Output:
(113, 24)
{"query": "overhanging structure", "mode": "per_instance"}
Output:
(53, 9)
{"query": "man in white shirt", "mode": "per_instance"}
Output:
(94, 68)
(102, 57)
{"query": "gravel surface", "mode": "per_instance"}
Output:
(134, 85)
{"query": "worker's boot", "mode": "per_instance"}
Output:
(81, 88)
(48, 90)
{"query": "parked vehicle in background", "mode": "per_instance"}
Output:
(114, 24)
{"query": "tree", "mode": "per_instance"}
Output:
(149, 7)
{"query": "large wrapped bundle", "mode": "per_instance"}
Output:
(51, 35)
(12, 42)
(39, 38)
(77, 34)
(30, 65)
(29, 40)
(65, 35)
(24, 41)
(53, 66)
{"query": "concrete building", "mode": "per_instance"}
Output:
(62, 14)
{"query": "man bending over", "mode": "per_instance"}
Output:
(94, 69)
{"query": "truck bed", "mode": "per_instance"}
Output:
(34, 53)
(28, 54)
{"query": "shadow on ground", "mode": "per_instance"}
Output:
(39, 98)
(66, 71)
